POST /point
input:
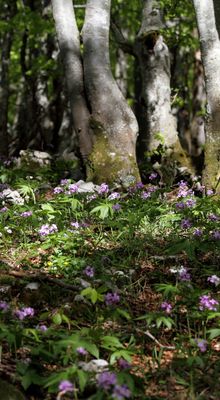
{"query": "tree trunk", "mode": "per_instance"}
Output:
(113, 157)
(154, 60)
(69, 43)
(210, 48)
(8, 11)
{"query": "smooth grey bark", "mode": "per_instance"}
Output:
(114, 123)
(207, 18)
(69, 44)
(158, 125)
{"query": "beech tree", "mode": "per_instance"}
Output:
(106, 126)
(208, 21)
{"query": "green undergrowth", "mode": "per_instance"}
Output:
(112, 294)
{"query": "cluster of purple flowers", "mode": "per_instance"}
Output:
(24, 312)
(89, 271)
(148, 192)
(58, 190)
(72, 188)
(186, 223)
(189, 203)
(184, 274)
(216, 234)
(123, 364)
(103, 189)
(81, 351)
(153, 176)
(3, 209)
(112, 299)
(114, 196)
(47, 229)
(214, 279)
(213, 217)
(166, 307)
(26, 214)
(4, 306)
(116, 207)
(107, 380)
(66, 386)
(184, 191)
(198, 232)
(202, 344)
(207, 303)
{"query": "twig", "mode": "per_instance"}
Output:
(162, 346)
(79, 6)
(125, 45)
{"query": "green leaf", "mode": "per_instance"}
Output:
(83, 378)
(104, 210)
(214, 333)
(57, 319)
(123, 314)
(111, 343)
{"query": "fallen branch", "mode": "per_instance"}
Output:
(42, 277)
(162, 346)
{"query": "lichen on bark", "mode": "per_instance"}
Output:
(106, 163)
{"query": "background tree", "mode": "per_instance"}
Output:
(208, 20)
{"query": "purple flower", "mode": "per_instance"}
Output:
(139, 185)
(213, 217)
(184, 191)
(81, 351)
(66, 386)
(3, 209)
(202, 344)
(207, 303)
(197, 232)
(166, 307)
(58, 190)
(89, 271)
(153, 176)
(75, 225)
(24, 312)
(116, 207)
(103, 188)
(145, 195)
(4, 306)
(209, 192)
(184, 275)
(111, 299)
(106, 380)
(114, 195)
(180, 205)
(64, 182)
(121, 392)
(214, 279)
(42, 328)
(123, 364)
(26, 214)
(216, 235)
(47, 229)
(73, 188)
(186, 224)
(190, 203)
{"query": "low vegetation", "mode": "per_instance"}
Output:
(109, 294)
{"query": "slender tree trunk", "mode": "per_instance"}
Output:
(154, 59)
(4, 94)
(8, 11)
(69, 43)
(114, 124)
(207, 18)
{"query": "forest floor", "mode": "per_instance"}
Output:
(114, 293)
